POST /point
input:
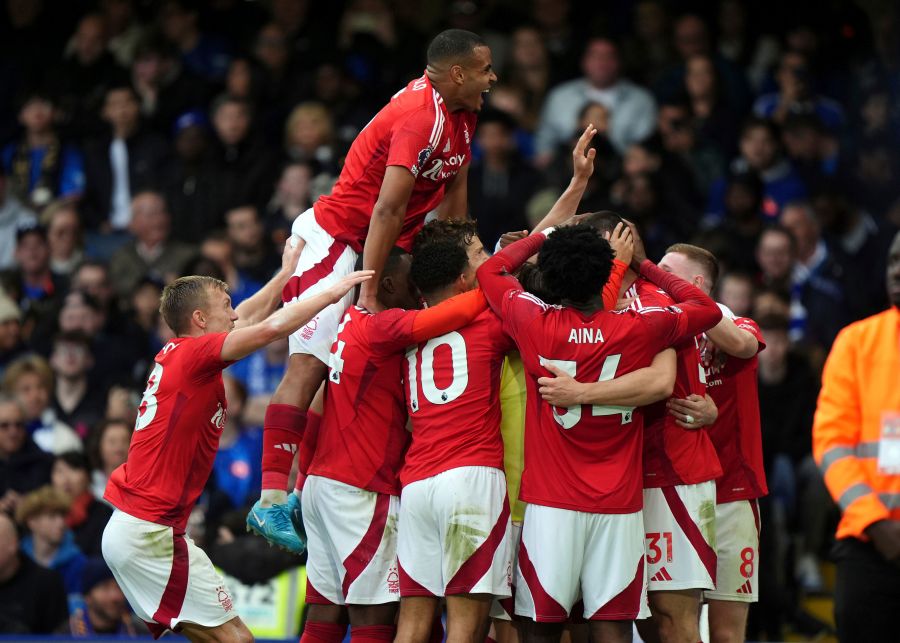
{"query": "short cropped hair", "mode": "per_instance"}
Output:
(702, 257)
(453, 45)
(185, 295)
(575, 263)
(438, 264)
(604, 221)
(458, 231)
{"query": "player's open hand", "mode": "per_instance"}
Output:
(562, 390)
(345, 285)
(291, 253)
(622, 241)
(692, 412)
(511, 237)
(582, 157)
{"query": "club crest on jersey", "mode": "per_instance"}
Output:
(218, 419)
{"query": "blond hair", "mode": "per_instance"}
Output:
(317, 112)
(183, 296)
(43, 500)
(702, 257)
(27, 365)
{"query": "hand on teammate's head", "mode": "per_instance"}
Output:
(640, 254)
(622, 241)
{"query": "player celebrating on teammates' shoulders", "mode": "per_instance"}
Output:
(728, 352)
(410, 159)
(581, 479)
(169, 581)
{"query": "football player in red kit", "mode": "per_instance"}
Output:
(411, 158)
(583, 525)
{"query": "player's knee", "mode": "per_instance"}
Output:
(237, 633)
(724, 634)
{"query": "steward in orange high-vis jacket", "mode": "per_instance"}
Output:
(856, 443)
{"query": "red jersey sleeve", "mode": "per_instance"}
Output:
(205, 358)
(413, 140)
(390, 330)
(700, 312)
(745, 323)
(614, 284)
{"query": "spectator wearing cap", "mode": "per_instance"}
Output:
(13, 215)
(191, 181)
(30, 379)
(152, 251)
(103, 610)
(128, 158)
(11, 345)
(40, 166)
(77, 400)
(32, 599)
(23, 465)
(633, 108)
(87, 516)
(50, 543)
(32, 284)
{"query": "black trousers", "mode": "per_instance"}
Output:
(867, 594)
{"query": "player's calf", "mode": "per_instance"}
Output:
(727, 621)
(467, 617)
(676, 615)
(416, 621)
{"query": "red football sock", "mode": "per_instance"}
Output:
(372, 633)
(307, 447)
(318, 632)
(282, 433)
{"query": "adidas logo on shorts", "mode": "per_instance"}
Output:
(661, 575)
(746, 588)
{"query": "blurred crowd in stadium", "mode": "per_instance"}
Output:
(141, 140)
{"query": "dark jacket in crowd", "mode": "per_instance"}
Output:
(33, 601)
(25, 470)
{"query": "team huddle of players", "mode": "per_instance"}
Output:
(563, 430)
(437, 519)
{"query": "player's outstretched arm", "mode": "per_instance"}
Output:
(734, 341)
(243, 341)
(495, 274)
(264, 301)
(637, 388)
(385, 227)
(583, 167)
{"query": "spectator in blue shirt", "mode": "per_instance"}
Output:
(796, 95)
(40, 167)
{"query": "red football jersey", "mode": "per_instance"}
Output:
(176, 433)
(736, 434)
(363, 433)
(584, 458)
(452, 396)
(414, 130)
(673, 455)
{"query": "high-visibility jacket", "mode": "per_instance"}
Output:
(860, 388)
